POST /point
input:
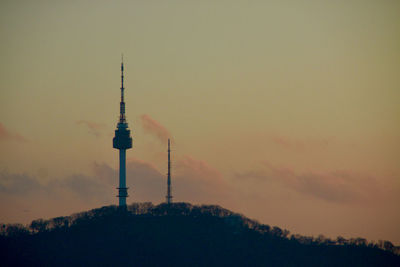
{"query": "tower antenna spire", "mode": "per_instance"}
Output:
(169, 196)
(122, 141)
(122, 103)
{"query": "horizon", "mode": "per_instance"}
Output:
(284, 112)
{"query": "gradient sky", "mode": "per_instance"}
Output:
(285, 111)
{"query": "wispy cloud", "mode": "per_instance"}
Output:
(151, 126)
(335, 186)
(300, 144)
(59, 196)
(193, 180)
(7, 135)
(198, 169)
(94, 128)
(197, 181)
(18, 184)
(77, 185)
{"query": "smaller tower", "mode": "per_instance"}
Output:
(169, 195)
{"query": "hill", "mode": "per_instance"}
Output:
(178, 235)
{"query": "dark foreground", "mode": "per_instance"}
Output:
(179, 235)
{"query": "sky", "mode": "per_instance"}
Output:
(285, 111)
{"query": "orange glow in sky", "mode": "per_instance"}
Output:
(285, 111)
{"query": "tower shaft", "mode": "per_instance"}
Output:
(122, 189)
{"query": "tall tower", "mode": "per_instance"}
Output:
(122, 141)
(169, 196)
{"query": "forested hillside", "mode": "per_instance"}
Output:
(178, 235)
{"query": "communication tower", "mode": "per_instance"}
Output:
(122, 141)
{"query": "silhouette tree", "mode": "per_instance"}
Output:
(179, 234)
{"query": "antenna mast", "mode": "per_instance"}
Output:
(169, 196)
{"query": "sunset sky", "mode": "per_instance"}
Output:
(285, 111)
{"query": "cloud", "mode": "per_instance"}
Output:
(145, 181)
(58, 197)
(94, 128)
(84, 187)
(78, 185)
(335, 186)
(300, 144)
(7, 135)
(18, 184)
(198, 169)
(197, 181)
(193, 180)
(104, 173)
(151, 126)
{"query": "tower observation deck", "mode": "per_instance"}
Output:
(122, 141)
